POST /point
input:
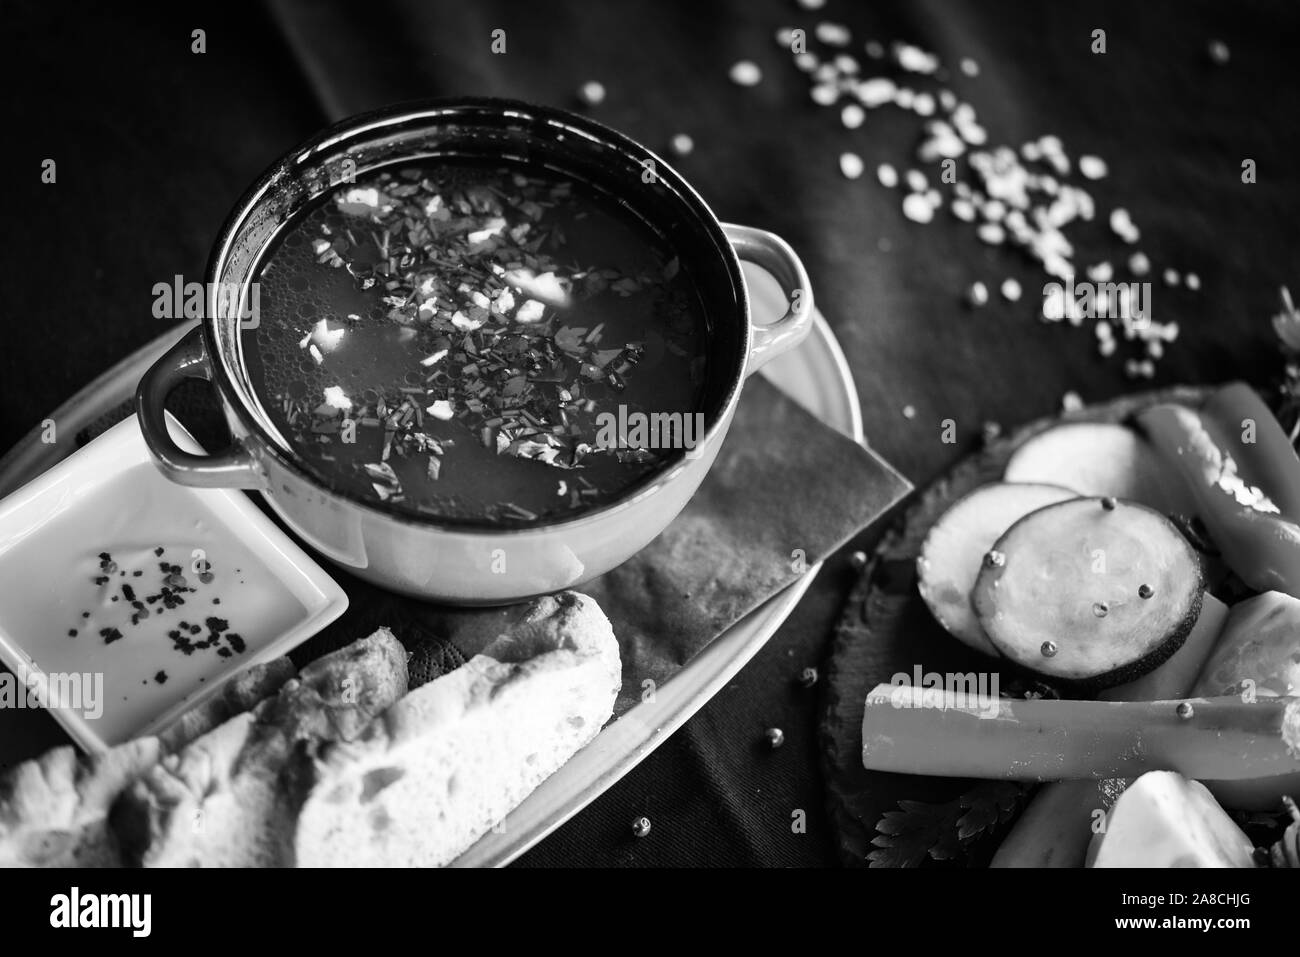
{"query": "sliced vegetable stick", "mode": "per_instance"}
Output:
(1054, 830)
(1261, 546)
(1247, 428)
(924, 731)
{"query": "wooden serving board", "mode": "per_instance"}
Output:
(886, 628)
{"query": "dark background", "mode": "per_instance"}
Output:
(155, 144)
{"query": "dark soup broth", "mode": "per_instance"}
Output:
(478, 343)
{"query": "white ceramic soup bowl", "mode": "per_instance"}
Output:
(455, 560)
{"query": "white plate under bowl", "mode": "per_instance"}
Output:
(84, 479)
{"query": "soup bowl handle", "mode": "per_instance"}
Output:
(774, 254)
(231, 468)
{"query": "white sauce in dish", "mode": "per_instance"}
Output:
(87, 592)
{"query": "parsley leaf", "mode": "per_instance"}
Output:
(943, 832)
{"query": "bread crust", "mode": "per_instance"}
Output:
(452, 758)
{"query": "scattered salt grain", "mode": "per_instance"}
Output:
(825, 94)
(1107, 347)
(1011, 290)
(1071, 402)
(1100, 272)
(978, 294)
(592, 93)
(1122, 225)
(875, 49)
(852, 116)
(923, 104)
(909, 412)
(914, 59)
(1139, 264)
(1192, 281)
(904, 97)
(1219, 53)
(963, 209)
(1092, 167)
(916, 181)
(833, 34)
(917, 208)
(807, 62)
(941, 142)
(682, 145)
(1170, 277)
(846, 64)
(970, 67)
(991, 233)
(1140, 368)
(746, 73)
(875, 92)
(887, 175)
(851, 165)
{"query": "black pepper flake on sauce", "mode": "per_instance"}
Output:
(174, 585)
(160, 677)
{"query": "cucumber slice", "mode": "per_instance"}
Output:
(1092, 591)
(954, 550)
(1099, 458)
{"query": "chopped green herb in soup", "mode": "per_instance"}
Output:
(449, 338)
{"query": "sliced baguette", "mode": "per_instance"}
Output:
(54, 809)
(229, 798)
(448, 761)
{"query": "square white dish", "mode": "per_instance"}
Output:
(113, 481)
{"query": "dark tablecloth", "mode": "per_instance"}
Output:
(155, 143)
